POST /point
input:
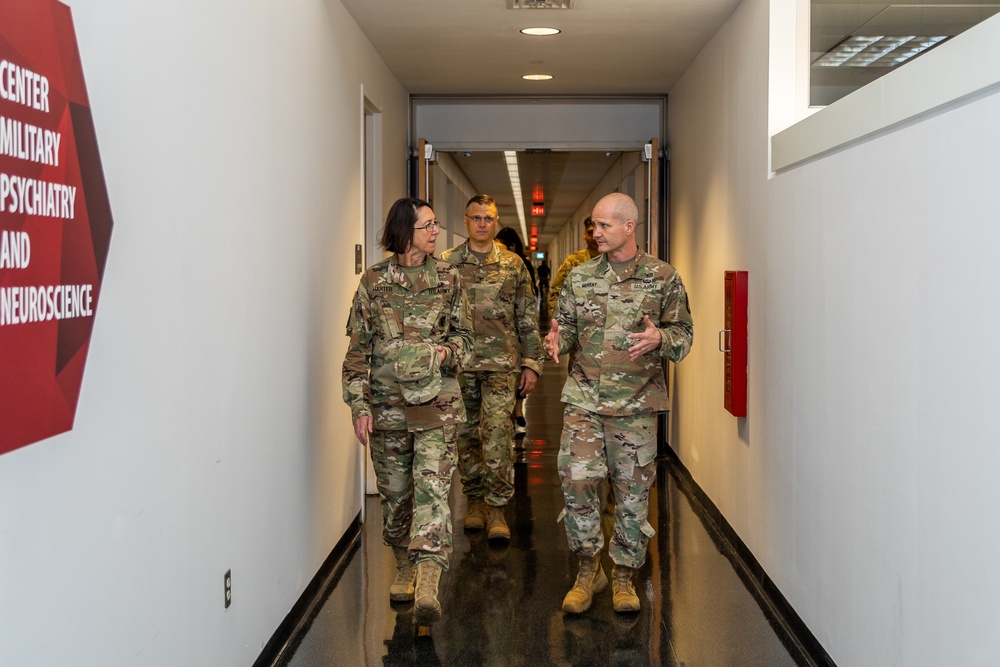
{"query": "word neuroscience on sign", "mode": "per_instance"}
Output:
(55, 222)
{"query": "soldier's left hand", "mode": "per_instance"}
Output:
(443, 351)
(646, 340)
(528, 380)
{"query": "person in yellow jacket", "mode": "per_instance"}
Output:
(571, 262)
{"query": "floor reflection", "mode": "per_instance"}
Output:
(502, 604)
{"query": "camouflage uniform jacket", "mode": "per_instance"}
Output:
(570, 263)
(388, 311)
(597, 310)
(503, 309)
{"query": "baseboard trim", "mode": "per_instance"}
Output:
(289, 634)
(777, 609)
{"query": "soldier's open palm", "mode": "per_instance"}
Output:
(552, 341)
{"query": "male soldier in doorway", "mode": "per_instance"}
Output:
(507, 356)
(571, 262)
(623, 313)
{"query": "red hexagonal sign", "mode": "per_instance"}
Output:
(55, 222)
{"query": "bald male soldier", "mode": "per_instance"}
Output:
(507, 355)
(623, 313)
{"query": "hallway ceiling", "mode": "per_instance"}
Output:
(606, 47)
(474, 48)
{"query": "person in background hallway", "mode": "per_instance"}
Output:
(571, 262)
(511, 240)
(623, 313)
(544, 273)
(507, 356)
(410, 332)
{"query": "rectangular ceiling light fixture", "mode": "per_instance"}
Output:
(540, 4)
(510, 158)
(876, 51)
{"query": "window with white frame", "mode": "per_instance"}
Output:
(854, 43)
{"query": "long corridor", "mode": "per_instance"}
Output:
(502, 604)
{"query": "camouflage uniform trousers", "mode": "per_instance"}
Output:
(414, 472)
(619, 448)
(486, 440)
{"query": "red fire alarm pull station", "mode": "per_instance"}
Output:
(733, 342)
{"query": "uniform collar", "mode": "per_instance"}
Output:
(469, 257)
(635, 269)
(425, 279)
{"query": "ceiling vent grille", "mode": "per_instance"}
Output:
(877, 51)
(540, 4)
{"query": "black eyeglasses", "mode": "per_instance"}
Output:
(432, 223)
(479, 218)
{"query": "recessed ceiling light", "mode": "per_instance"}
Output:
(541, 32)
(537, 77)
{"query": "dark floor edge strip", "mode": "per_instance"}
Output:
(750, 569)
(288, 635)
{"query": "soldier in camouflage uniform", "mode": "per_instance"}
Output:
(624, 313)
(571, 262)
(410, 333)
(507, 356)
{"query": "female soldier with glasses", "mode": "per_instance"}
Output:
(410, 333)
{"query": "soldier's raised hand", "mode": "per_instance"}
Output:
(646, 340)
(552, 341)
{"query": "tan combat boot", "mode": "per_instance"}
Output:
(426, 608)
(401, 589)
(497, 523)
(625, 599)
(475, 519)
(591, 579)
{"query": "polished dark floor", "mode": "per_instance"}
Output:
(502, 604)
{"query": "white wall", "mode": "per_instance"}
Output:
(210, 433)
(863, 479)
(451, 190)
(627, 174)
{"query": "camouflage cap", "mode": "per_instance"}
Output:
(418, 369)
